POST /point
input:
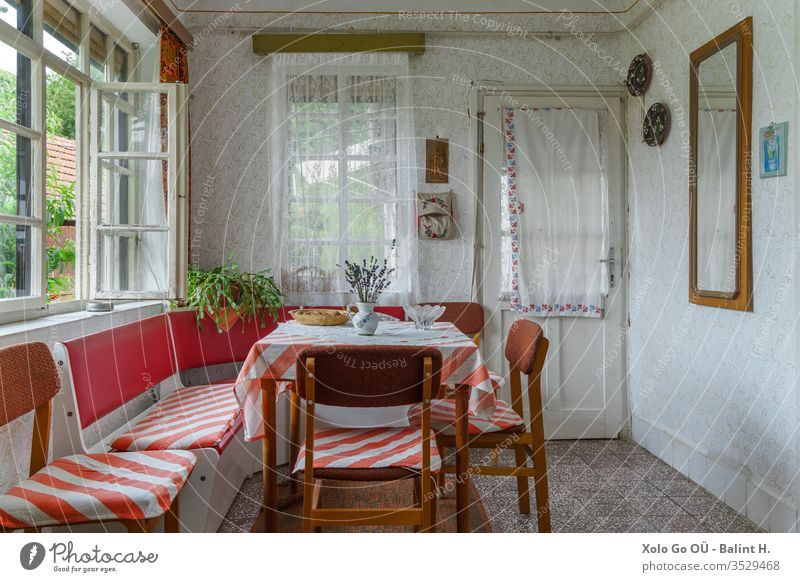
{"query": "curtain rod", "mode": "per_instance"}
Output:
(475, 33)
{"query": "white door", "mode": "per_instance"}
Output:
(584, 377)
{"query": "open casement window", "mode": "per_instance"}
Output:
(139, 185)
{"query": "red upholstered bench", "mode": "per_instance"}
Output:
(109, 369)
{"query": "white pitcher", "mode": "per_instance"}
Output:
(365, 320)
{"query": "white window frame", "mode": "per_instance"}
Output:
(177, 193)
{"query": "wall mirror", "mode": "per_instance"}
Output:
(720, 102)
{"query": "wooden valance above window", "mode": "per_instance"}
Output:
(265, 44)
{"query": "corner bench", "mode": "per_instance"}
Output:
(114, 369)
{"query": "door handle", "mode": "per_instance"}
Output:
(610, 262)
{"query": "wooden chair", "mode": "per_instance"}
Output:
(525, 351)
(135, 489)
(358, 377)
(466, 316)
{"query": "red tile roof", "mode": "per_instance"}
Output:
(62, 153)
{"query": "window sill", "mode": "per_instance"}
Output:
(50, 320)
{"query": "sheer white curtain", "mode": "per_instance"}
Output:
(147, 189)
(342, 172)
(716, 199)
(556, 194)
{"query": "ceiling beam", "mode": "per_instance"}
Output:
(166, 16)
(265, 44)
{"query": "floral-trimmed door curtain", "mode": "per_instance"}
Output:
(555, 198)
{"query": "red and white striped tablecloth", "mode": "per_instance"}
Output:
(275, 356)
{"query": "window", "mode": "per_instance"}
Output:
(347, 166)
(139, 190)
(62, 30)
(46, 231)
(63, 98)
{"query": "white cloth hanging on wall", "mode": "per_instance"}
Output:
(716, 200)
(556, 190)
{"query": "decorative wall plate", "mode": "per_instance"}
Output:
(639, 74)
(656, 125)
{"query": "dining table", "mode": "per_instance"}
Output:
(270, 368)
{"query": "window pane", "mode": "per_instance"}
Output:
(15, 260)
(15, 86)
(368, 221)
(62, 171)
(146, 266)
(19, 14)
(126, 198)
(372, 179)
(312, 268)
(314, 220)
(16, 159)
(120, 64)
(97, 54)
(62, 30)
(135, 123)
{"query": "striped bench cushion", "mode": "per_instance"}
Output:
(97, 487)
(443, 417)
(368, 448)
(190, 418)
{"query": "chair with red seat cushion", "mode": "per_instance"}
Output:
(136, 489)
(525, 351)
(467, 316)
(357, 377)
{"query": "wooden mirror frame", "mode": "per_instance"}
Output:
(741, 299)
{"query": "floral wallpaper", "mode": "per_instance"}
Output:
(722, 381)
(228, 87)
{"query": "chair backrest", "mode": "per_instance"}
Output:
(467, 316)
(200, 346)
(523, 344)
(28, 379)
(368, 376)
(111, 367)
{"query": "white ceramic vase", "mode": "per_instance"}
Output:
(365, 320)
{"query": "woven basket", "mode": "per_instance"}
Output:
(319, 316)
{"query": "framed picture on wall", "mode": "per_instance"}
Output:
(437, 161)
(772, 141)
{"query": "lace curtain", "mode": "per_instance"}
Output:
(342, 172)
(556, 210)
(150, 269)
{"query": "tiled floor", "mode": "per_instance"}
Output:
(611, 486)
(595, 486)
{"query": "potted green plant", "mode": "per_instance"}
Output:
(226, 294)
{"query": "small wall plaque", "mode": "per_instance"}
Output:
(656, 125)
(437, 161)
(639, 74)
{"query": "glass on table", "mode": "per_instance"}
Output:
(423, 316)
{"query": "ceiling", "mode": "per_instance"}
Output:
(350, 6)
